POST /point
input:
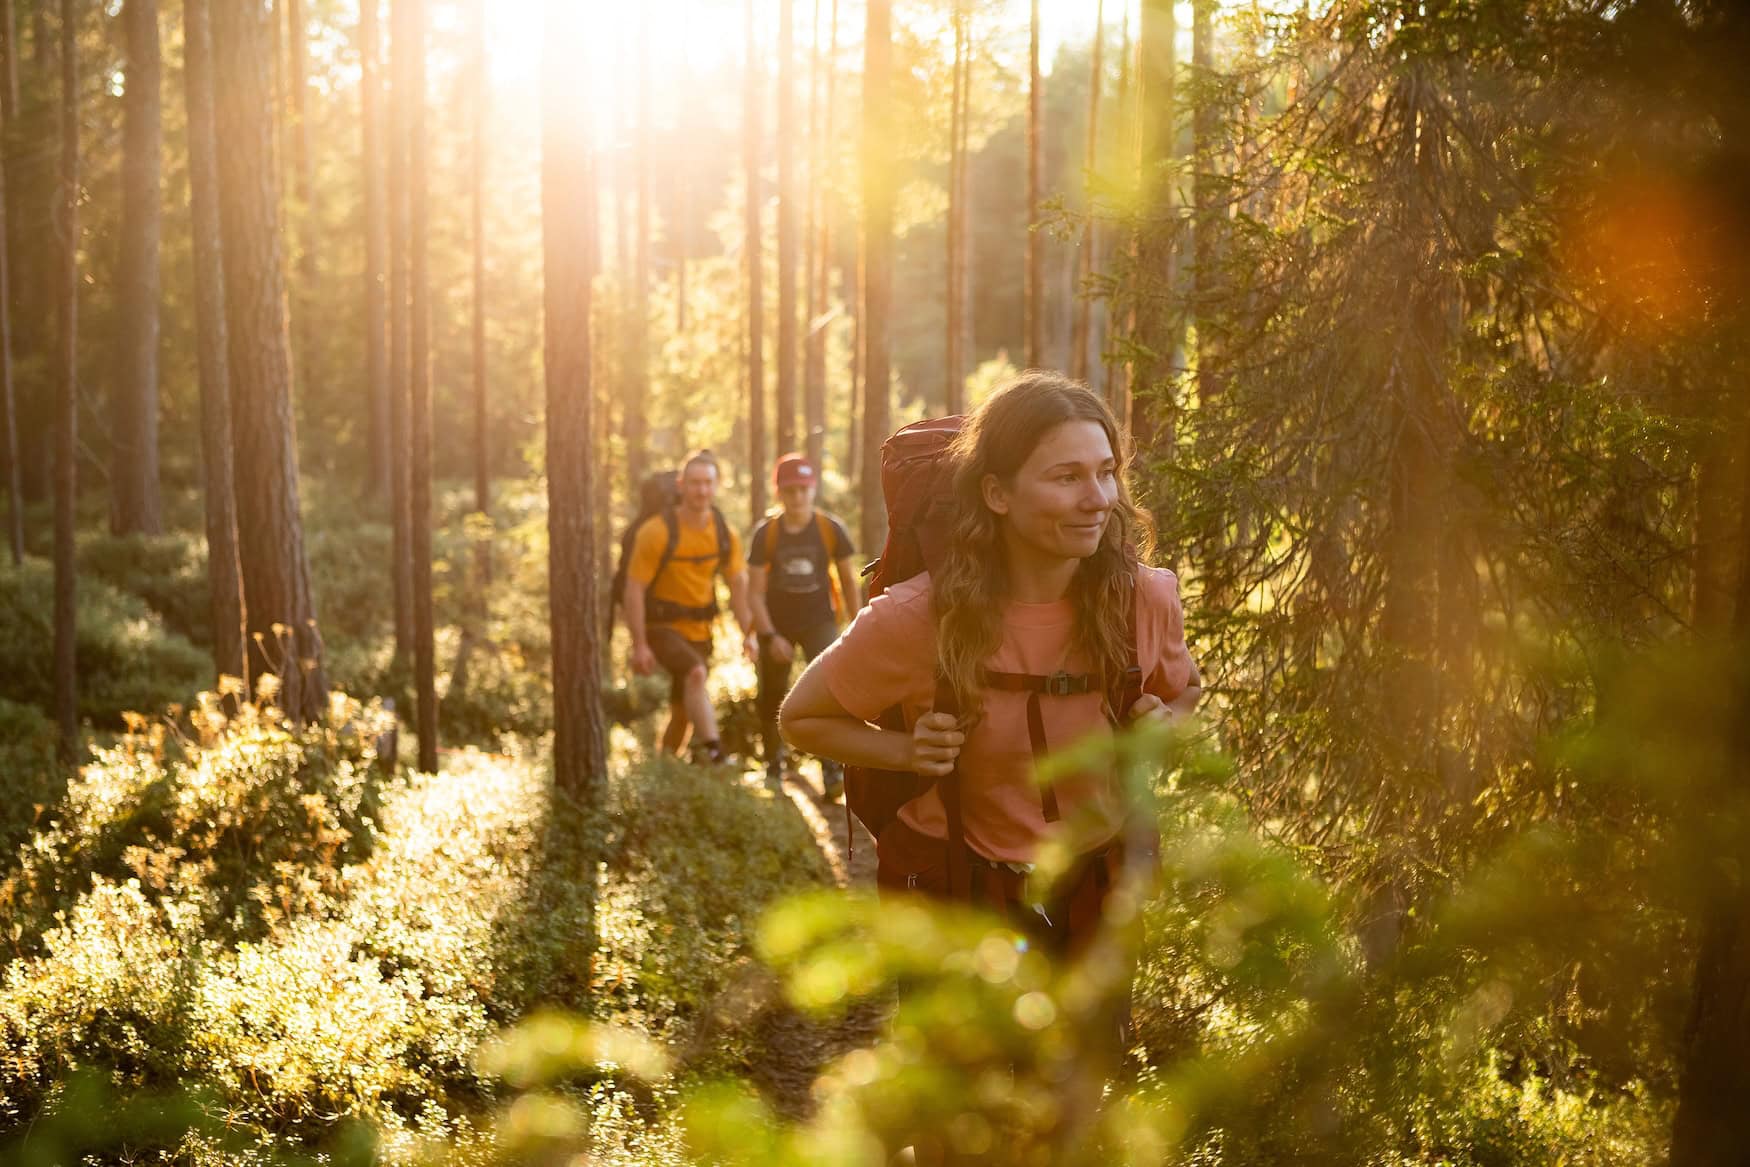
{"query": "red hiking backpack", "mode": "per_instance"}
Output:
(917, 487)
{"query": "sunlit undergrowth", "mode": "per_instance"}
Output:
(259, 923)
(256, 917)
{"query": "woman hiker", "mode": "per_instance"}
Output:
(1038, 583)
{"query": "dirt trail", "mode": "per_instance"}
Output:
(793, 1048)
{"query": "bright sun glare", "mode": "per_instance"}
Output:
(711, 32)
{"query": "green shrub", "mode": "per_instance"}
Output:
(254, 823)
(28, 767)
(168, 572)
(127, 659)
(355, 598)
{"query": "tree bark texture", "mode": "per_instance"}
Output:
(419, 378)
(477, 229)
(754, 256)
(400, 324)
(819, 329)
(1712, 1126)
(8, 61)
(579, 734)
(815, 239)
(377, 387)
(787, 217)
(1156, 269)
(67, 399)
(1121, 303)
(954, 363)
(224, 572)
(8, 391)
(1081, 330)
(1208, 199)
(135, 507)
(878, 196)
(1034, 307)
(33, 191)
(302, 168)
(852, 278)
(637, 401)
(276, 573)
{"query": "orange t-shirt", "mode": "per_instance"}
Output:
(887, 657)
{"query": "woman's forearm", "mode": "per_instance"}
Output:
(848, 740)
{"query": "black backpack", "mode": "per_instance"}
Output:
(658, 495)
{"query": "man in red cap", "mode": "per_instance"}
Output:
(792, 559)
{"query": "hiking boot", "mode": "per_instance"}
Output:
(712, 754)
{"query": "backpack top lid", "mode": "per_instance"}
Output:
(658, 490)
(917, 486)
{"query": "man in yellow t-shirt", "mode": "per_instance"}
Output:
(671, 601)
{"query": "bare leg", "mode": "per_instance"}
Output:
(698, 704)
(674, 734)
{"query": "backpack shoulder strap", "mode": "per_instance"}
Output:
(959, 869)
(1125, 689)
(723, 543)
(671, 522)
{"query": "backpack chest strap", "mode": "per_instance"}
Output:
(1062, 684)
(1058, 684)
(1037, 685)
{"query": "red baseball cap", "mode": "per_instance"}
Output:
(794, 470)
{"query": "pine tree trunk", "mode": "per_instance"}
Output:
(1206, 240)
(8, 392)
(1156, 269)
(878, 195)
(963, 256)
(823, 250)
(954, 362)
(477, 229)
(377, 387)
(579, 735)
(1121, 303)
(419, 404)
(67, 400)
(478, 237)
(133, 480)
(276, 574)
(786, 431)
(224, 573)
(637, 402)
(754, 257)
(302, 211)
(33, 157)
(8, 62)
(1081, 330)
(1034, 306)
(814, 332)
(853, 283)
(400, 338)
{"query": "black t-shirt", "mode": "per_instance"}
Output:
(799, 590)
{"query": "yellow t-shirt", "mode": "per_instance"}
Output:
(687, 579)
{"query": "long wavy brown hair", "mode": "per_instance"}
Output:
(971, 586)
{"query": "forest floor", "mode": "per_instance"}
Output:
(795, 1048)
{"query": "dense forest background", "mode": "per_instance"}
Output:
(334, 336)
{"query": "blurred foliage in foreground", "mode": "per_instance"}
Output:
(340, 946)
